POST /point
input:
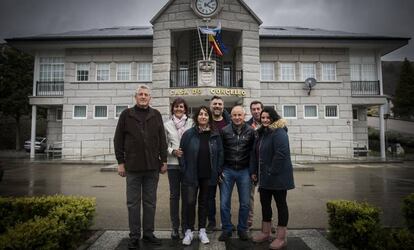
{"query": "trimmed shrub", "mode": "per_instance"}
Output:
(46, 222)
(408, 211)
(40, 233)
(354, 225)
(399, 239)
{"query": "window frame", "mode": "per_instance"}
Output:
(310, 117)
(88, 70)
(117, 71)
(302, 68)
(323, 75)
(48, 66)
(117, 117)
(80, 118)
(281, 72)
(272, 64)
(331, 117)
(61, 114)
(290, 117)
(94, 112)
(109, 72)
(357, 114)
(139, 74)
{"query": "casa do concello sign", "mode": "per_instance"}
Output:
(208, 91)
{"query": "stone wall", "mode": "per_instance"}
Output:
(321, 136)
(86, 137)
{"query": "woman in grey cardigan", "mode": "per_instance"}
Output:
(174, 129)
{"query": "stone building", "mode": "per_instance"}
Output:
(86, 78)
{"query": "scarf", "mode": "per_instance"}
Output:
(180, 124)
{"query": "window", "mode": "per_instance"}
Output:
(51, 69)
(227, 81)
(123, 72)
(144, 71)
(289, 111)
(310, 111)
(267, 71)
(331, 111)
(119, 109)
(287, 71)
(308, 70)
(79, 112)
(329, 71)
(355, 114)
(82, 72)
(100, 112)
(102, 71)
(363, 72)
(59, 114)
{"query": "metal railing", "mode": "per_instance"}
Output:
(224, 78)
(49, 88)
(365, 88)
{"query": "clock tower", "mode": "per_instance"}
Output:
(206, 8)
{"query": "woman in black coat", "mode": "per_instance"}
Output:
(202, 156)
(274, 175)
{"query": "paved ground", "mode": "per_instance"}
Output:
(383, 185)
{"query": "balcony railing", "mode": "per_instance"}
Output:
(365, 88)
(224, 78)
(49, 88)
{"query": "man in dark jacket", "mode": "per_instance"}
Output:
(220, 119)
(238, 140)
(141, 152)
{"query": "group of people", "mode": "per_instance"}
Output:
(212, 149)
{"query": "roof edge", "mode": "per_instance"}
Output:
(242, 3)
(258, 20)
(152, 21)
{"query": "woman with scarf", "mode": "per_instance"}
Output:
(174, 130)
(202, 156)
(274, 174)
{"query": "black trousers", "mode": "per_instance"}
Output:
(191, 193)
(282, 208)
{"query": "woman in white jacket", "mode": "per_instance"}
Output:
(174, 129)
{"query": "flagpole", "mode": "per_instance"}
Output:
(201, 44)
(206, 21)
(211, 52)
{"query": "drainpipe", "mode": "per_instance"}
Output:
(382, 109)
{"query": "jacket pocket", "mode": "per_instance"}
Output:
(275, 167)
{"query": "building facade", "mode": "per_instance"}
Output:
(86, 78)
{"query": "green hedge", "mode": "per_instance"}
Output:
(354, 225)
(47, 222)
(408, 211)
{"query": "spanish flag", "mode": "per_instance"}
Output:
(217, 44)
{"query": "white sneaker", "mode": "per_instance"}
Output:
(188, 237)
(202, 236)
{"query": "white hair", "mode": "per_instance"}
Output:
(143, 86)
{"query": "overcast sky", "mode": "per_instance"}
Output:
(382, 17)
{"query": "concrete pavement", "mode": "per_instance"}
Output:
(383, 185)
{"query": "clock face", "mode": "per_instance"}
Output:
(206, 7)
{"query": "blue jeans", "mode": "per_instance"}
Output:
(242, 180)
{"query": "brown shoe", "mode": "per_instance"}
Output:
(264, 235)
(281, 239)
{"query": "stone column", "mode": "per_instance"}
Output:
(251, 64)
(161, 68)
(382, 109)
(33, 132)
